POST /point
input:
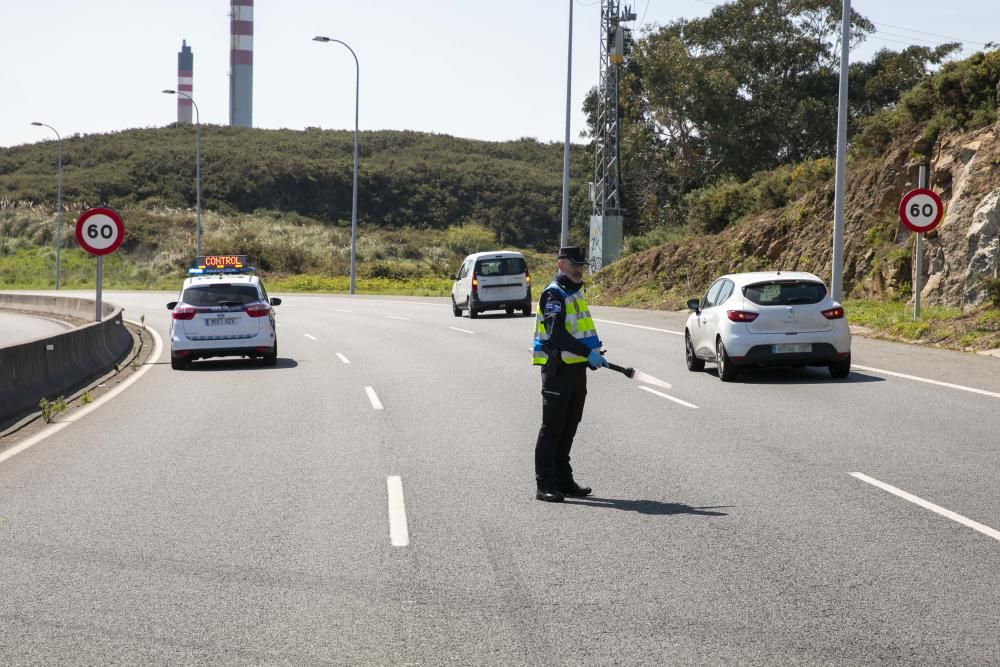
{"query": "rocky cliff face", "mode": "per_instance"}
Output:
(966, 246)
(878, 250)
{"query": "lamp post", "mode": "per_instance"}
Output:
(354, 198)
(197, 168)
(58, 196)
(564, 231)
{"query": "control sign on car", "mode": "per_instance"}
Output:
(223, 311)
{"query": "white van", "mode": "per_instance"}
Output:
(492, 281)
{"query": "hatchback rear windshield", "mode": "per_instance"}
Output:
(206, 296)
(785, 293)
(502, 266)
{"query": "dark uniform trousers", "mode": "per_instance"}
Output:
(564, 391)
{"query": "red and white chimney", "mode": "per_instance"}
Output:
(185, 82)
(241, 63)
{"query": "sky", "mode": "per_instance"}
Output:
(481, 69)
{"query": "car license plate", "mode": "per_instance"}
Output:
(218, 321)
(787, 348)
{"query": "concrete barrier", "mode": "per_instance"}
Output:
(61, 364)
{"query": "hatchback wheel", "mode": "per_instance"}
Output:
(178, 363)
(727, 369)
(841, 368)
(694, 364)
(455, 310)
(271, 358)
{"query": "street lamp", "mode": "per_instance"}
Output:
(564, 231)
(354, 198)
(58, 196)
(197, 168)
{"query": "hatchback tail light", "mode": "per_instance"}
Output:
(834, 313)
(475, 283)
(741, 315)
(184, 313)
(258, 309)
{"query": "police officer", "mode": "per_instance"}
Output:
(565, 346)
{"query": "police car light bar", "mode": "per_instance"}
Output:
(219, 264)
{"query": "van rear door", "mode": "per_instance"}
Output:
(502, 278)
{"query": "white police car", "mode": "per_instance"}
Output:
(222, 311)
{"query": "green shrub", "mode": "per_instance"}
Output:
(51, 409)
(470, 238)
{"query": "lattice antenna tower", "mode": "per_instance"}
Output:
(607, 167)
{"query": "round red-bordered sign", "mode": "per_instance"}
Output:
(99, 231)
(921, 210)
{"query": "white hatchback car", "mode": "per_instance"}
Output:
(773, 318)
(222, 315)
(492, 281)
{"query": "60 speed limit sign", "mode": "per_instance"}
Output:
(99, 231)
(921, 210)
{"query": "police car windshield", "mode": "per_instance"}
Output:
(500, 266)
(218, 295)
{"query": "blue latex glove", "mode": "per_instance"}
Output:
(596, 360)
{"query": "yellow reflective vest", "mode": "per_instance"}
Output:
(579, 324)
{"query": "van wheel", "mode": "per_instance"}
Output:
(526, 311)
(727, 369)
(694, 364)
(455, 310)
(510, 310)
(473, 313)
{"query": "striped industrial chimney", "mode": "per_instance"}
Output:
(185, 82)
(241, 64)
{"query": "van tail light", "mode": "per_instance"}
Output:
(475, 283)
(527, 277)
(741, 315)
(834, 313)
(184, 313)
(258, 309)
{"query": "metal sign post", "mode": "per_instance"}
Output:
(920, 211)
(918, 252)
(99, 231)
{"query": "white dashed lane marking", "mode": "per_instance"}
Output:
(373, 397)
(968, 523)
(639, 326)
(343, 358)
(462, 330)
(397, 317)
(310, 337)
(399, 534)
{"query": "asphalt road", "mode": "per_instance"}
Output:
(241, 514)
(18, 328)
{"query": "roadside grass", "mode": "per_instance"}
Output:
(974, 329)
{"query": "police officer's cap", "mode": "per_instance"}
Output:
(573, 253)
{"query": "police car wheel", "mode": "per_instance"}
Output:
(271, 359)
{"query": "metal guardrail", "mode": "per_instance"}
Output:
(58, 365)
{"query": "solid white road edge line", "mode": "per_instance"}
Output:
(399, 534)
(343, 358)
(983, 392)
(670, 398)
(84, 411)
(968, 523)
(373, 397)
(310, 337)
(463, 330)
(639, 326)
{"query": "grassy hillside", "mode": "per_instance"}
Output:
(407, 179)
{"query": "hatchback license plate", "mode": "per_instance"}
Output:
(786, 348)
(220, 321)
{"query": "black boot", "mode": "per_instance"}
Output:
(571, 488)
(549, 495)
